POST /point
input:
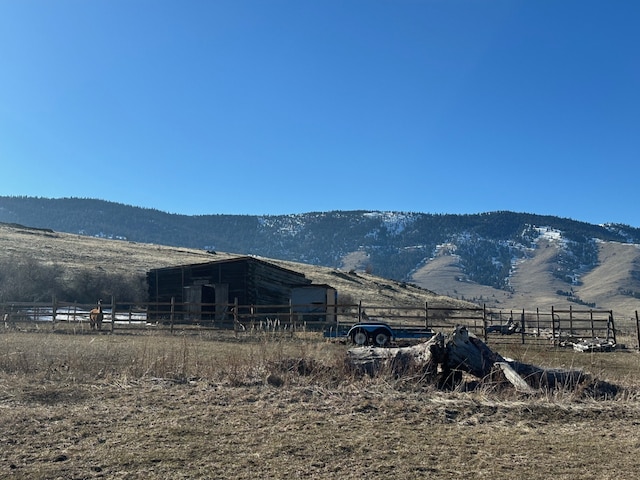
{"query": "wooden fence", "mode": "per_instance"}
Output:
(496, 326)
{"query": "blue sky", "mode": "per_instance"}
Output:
(276, 107)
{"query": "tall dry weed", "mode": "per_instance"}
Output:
(275, 361)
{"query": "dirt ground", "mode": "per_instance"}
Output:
(62, 419)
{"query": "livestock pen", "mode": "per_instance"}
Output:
(555, 327)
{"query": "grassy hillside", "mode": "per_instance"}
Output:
(76, 253)
(613, 284)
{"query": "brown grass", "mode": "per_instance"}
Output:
(210, 406)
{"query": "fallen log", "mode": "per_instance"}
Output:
(548, 378)
(468, 353)
(462, 352)
(512, 377)
(424, 357)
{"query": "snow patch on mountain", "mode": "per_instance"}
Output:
(620, 230)
(447, 248)
(394, 222)
(289, 225)
(551, 235)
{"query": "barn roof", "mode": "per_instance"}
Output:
(245, 258)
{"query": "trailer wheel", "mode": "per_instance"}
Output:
(359, 337)
(381, 337)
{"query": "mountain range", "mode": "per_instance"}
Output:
(502, 259)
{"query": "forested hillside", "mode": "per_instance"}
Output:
(487, 248)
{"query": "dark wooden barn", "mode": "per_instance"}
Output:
(208, 290)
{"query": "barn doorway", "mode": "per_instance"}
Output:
(206, 302)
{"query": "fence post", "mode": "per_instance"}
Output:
(484, 322)
(522, 327)
(291, 320)
(113, 312)
(593, 330)
(638, 328)
(54, 309)
(426, 315)
(235, 317)
(553, 326)
(571, 320)
(613, 327)
(173, 311)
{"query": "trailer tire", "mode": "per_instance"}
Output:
(360, 337)
(381, 337)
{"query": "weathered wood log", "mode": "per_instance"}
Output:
(467, 352)
(548, 378)
(463, 352)
(512, 377)
(424, 357)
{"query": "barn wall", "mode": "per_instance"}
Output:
(251, 281)
(315, 302)
(271, 286)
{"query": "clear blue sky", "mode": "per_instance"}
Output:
(275, 107)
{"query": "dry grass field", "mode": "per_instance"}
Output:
(209, 405)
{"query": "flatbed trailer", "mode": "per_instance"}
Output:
(379, 334)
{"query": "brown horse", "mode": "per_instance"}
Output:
(96, 316)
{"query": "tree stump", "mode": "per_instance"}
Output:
(470, 354)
